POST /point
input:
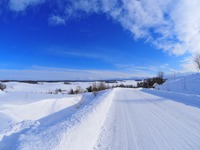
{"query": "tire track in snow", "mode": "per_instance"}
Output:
(138, 120)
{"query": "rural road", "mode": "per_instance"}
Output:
(141, 121)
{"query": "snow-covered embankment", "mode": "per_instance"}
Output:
(79, 131)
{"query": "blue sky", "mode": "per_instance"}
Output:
(95, 39)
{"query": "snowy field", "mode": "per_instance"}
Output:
(33, 117)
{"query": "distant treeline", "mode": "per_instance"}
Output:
(65, 81)
(152, 82)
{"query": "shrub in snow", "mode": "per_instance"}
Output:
(78, 90)
(2, 86)
(89, 89)
(71, 91)
(30, 82)
(123, 86)
(150, 82)
(58, 91)
(101, 86)
(67, 83)
(98, 87)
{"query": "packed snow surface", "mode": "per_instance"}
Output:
(143, 121)
(33, 119)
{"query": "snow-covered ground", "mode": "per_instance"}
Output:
(143, 121)
(182, 84)
(46, 87)
(24, 93)
(119, 118)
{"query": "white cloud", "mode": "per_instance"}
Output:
(151, 70)
(21, 5)
(56, 20)
(45, 73)
(188, 64)
(164, 65)
(173, 26)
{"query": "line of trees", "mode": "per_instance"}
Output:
(150, 82)
(96, 87)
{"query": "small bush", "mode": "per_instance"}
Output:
(78, 90)
(58, 91)
(101, 86)
(97, 87)
(123, 86)
(71, 91)
(89, 89)
(30, 82)
(67, 83)
(2, 86)
(94, 87)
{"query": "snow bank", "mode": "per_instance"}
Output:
(187, 99)
(20, 98)
(76, 127)
(11, 116)
(37, 110)
(183, 84)
(33, 119)
(90, 120)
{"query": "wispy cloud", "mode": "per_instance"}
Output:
(153, 70)
(21, 5)
(164, 65)
(56, 20)
(86, 55)
(112, 56)
(175, 24)
(188, 65)
(132, 67)
(172, 26)
(2, 3)
(46, 73)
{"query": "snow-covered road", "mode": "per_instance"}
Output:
(115, 119)
(138, 120)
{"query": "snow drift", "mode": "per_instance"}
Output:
(55, 123)
(183, 84)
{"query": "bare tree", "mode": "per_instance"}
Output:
(160, 78)
(160, 74)
(197, 61)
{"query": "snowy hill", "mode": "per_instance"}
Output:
(23, 105)
(119, 118)
(189, 84)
